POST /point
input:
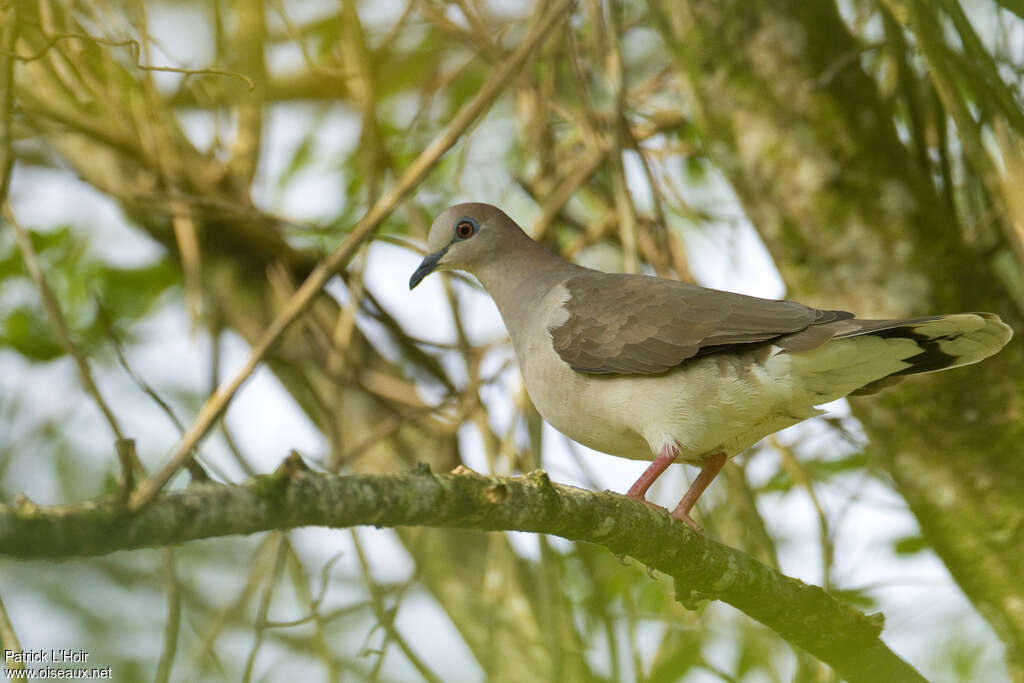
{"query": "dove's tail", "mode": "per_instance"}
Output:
(864, 356)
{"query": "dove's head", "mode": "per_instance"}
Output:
(467, 237)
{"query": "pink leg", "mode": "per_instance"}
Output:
(712, 466)
(665, 458)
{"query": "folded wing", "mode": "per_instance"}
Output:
(634, 324)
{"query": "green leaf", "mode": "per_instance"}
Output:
(58, 244)
(131, 292)
(303, 154)
(28, 332)
(910, 545)
(818, 470)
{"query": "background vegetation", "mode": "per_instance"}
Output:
(172, 172)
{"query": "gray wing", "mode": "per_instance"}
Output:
(635, 324)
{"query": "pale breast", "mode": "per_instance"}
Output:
(721, 402)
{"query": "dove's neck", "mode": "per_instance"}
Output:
(519, 278)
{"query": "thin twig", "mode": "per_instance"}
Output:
(215, 332)
(260, 626)
(133, 50)
(107, 320)
(172, 625)
(297, 571)
(386, 617)
(129, 459)
(8, 37)
(9, 641)
(258, 564)
(624, 206)
(792, 465)
(126, 447)
(57, 320)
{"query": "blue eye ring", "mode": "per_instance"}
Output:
(465, 228)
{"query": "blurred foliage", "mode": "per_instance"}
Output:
(82, 284)
(245, 139)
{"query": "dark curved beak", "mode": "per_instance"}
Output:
(426, 267)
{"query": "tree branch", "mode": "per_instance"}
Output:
(703, 569)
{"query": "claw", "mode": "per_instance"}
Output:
(687, 520)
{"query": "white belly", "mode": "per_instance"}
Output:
(709, 404)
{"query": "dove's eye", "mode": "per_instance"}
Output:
(465, 228)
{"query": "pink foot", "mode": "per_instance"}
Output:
(711, 467)
(685, 518)
(638, 490)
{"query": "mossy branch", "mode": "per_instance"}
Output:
(806, 616)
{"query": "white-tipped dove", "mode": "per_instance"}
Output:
(653, 369)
